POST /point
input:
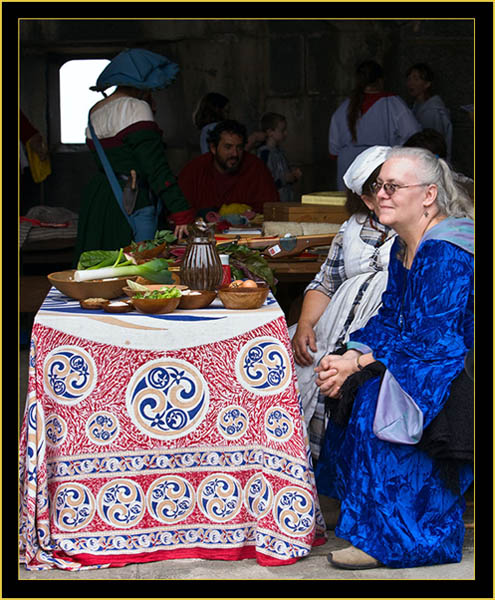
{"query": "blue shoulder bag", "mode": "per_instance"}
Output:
(144, 221)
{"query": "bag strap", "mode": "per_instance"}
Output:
(112, 178)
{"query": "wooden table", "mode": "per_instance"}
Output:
(296, 270)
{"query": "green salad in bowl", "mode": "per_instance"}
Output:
(172, 292)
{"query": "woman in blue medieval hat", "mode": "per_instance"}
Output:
(123, 122)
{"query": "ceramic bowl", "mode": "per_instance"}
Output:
(80, 290)
(243, 298)
(155, 306)
(192, 299)
(156, 286)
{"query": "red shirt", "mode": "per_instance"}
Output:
(370, 99)
(206, 188)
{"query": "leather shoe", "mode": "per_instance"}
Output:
(353, 558)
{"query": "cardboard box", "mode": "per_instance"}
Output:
(304, 213)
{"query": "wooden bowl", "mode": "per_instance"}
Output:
(93, 303)
(192, 299)
(120, 306)
(144, 255)
(155, 306)
(80, 290)
(156, 286)
(243, 298)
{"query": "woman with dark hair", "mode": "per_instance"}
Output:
(369, 117)
(428, 108)
(211, 109)
(430, 139)
(347, 290)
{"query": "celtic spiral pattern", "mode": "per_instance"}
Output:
(170, 499)
(294, 511)
(74, 506)
(263, 366)
(121, 503)
(102, 427)
(69, 374)
(167, 398)
(32, 355)
(219, 497)
(35, 444)
(278, 424)
(215, 537)
(232, 422)
(258, 495)
(56, 430)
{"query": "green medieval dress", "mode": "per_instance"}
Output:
(131, 140)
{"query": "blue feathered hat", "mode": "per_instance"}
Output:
(137, 68)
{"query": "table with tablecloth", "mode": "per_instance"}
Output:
(152, 437)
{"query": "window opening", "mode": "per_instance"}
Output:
(76, 77)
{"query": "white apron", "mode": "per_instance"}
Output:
(366, 270)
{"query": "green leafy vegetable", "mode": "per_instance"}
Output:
(246, 262)
(119, 257)
(159, 294)
(155, 270)
(95, 259)
(136, 287)
(161, 237)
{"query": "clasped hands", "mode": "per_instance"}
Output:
(334, 369)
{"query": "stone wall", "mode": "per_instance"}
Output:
(300, 68)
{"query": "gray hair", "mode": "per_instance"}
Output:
(452, 200)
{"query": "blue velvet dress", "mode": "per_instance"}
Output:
(394, 504)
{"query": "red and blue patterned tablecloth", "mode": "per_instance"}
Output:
(158, 437)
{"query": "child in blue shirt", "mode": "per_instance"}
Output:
(274, 126)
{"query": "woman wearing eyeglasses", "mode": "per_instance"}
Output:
(398, 448)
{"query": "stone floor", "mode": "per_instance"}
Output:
(315, 566)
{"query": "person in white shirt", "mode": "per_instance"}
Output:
(370, 116)
(428, 108)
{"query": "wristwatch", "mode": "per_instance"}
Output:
(357, 362)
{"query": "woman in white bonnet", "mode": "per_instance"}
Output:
(347, 290)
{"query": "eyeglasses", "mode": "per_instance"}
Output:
(391, 188)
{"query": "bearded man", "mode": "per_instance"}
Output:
(227, 174)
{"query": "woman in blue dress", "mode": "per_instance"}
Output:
(401, 505)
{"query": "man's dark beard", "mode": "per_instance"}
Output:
(226, 169)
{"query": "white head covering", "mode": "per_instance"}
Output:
(363, 165)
